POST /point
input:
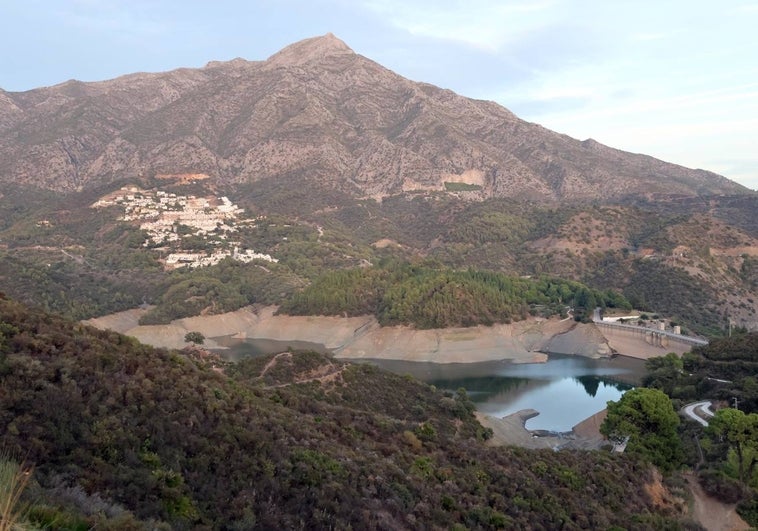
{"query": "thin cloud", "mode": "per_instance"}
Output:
(482, 24)
(746, 8)
(113, 17)
(649, 36)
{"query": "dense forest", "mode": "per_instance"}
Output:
(118, 435)
(224, 287)
(397, 292)
(438, 297)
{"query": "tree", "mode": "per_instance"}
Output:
(194, 337)
(647, 418)
(740, 432)
(7, 331)
(663, 372)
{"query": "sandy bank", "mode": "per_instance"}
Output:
(511, 431)
(362, 337)
(581, 340)
(521, 342)
(261, 323)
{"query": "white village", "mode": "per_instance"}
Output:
(167, 218)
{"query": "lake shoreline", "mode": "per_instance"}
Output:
(362, 337)
(511, 430)
(359, 339)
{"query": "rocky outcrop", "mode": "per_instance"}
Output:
(315, 110)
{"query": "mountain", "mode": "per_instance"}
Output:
(316, 113)
(339, 163)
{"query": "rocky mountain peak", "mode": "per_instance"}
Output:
(319, 110)
(309, 50)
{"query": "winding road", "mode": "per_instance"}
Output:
(690, 410)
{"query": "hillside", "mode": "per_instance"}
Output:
(95, 253)
(293, 440)
(318, 159)
(315, 113)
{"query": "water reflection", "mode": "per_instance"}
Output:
(236, 349)
(562, 403)
(565, 389)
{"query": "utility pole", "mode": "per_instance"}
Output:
(736, 402)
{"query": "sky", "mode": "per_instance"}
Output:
(674, 79)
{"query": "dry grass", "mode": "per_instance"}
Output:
(13, 480)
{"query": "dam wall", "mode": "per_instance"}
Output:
(641, 342)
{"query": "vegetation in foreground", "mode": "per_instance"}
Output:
(726, 452)
(645, 422)
(124, 436)
(724, 370)
(13, 481)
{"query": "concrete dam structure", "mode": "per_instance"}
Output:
(636, 340)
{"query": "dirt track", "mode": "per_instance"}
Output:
(711, 513)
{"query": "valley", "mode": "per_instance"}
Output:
(322, 159)
(322, 409)
(156, 228)
(447, 358)
(364, 437)
(692, 268)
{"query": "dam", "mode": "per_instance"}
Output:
(638, 341)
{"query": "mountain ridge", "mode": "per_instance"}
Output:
(350, 154)
(319, 113)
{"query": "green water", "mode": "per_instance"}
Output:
(565, 389)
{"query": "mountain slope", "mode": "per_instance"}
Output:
(310, 138)
(119, 431)
(314, 112)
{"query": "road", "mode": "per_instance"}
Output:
(704, 407)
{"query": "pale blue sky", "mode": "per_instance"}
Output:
(674, 79)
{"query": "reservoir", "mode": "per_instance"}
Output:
(565, 389)
(237, 349)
